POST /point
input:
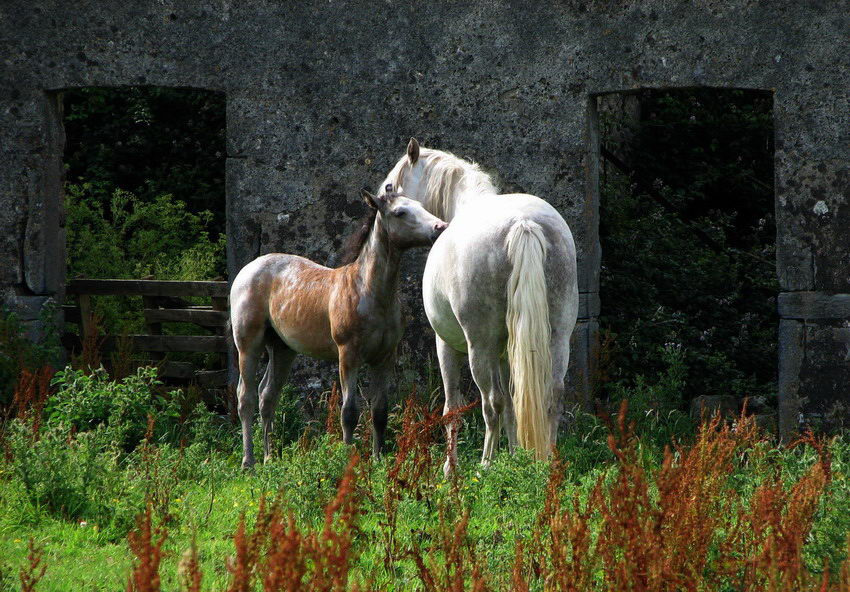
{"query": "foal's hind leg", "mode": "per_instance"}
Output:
(349, 363)
(249, 358)
(381, 377)
(280, 361)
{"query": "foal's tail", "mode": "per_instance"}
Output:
(529, 334)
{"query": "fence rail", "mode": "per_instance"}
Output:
(163, 302)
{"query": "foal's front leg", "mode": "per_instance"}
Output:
(381, 378)
(349, 363)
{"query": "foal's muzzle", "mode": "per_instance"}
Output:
(439, 227)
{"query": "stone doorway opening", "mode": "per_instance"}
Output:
(144, 199)
(688, 280)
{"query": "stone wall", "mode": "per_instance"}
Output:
(322, 97)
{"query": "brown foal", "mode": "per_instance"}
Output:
(290, 305)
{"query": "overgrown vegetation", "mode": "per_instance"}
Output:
(112, 474)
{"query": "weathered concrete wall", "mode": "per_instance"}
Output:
(322, 97)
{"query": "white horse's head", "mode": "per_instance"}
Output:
(406, 222)
(409, 173)
(436, 179)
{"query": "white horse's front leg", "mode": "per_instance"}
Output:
(450, 361)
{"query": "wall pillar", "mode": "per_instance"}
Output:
(32, 249)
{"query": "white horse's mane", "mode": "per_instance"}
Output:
(445, 177)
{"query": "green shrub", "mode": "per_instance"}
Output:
(86, 401)
(656, 408)
(75, 477)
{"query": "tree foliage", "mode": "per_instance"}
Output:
(149, 141)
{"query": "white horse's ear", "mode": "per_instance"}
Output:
(370, 199)
(413, 151)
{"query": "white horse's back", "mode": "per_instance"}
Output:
(473, 252)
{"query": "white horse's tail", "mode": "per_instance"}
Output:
(529, 333)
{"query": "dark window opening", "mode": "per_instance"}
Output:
(688, 281)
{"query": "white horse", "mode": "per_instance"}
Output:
(500, 287)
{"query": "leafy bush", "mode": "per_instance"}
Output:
(74, 477)
(656, 408)
(126, 237)
(83, 402)
(106, 447)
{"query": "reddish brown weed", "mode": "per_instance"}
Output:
(31, 393)
(189, 570)
(146, 545)
(332, 425)
(35, 568)
(285, 559)
(451, 564)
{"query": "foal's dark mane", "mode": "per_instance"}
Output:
(354, 244)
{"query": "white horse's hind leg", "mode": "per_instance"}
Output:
(560, 362)
(280, 361)
(485, 366)
(508, 418)
(450, 364)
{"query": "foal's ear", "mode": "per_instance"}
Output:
(370, 199)
(413, 151)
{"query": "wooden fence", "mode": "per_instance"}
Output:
(163, 302)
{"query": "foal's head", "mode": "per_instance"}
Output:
(405, 221)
